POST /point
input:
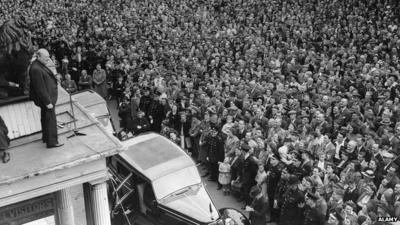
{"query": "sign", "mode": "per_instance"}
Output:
(27, 211)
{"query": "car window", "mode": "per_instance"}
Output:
(176, 181)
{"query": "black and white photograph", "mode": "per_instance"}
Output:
(199, 112)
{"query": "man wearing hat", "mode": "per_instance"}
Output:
(145, 101)
(216, 153)
(258, 208)
(293, 203)
(156, 113)
(311, 214)
(183, 128)
(293, 122)
(280, 190)
(195, 133)
(274, 168)
(248, 173)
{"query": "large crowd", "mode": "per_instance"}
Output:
(293, 101)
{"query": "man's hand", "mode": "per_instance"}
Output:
(12, 84)
(249, 209)
(49, 106)
(275, 204)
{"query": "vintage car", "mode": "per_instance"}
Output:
(96, 106)
(155, 182)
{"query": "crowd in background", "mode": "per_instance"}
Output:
(294, 101)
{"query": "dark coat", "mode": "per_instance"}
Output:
(144, 104)
(119, 89)
(306, 168)
(273, 179)
(236, 166)
(280, 190)
(216, 148)
(186, 127)
(4, 140)
(312, 217)
(258, 216)
(43, 85)
(156, 111)
(139, 125)
(290, 210)
(249, 171)
(174, 120)
(124, 112)
(85, 82)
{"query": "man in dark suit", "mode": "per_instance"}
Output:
(216, 153)
(156, 113)
(258, 208)
(311, 215)
(274, 168)
(43, 92)
(293, 203)
(249, 172)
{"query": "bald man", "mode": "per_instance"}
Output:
(43, 92)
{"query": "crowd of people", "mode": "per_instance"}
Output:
(293, 102)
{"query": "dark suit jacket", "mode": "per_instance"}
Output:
(43, 85)
(258, 216)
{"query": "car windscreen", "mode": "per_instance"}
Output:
(176, 181)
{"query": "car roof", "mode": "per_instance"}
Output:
(154, 155)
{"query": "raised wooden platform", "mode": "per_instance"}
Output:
(35, 170)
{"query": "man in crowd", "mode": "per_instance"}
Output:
(43, 92)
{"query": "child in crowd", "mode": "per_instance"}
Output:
(225, 175)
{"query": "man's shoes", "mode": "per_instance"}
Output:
(55, 146)
(6, 157)
(219, 187)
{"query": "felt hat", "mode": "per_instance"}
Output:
(395, 76)
(212, 110)
(311, 196)
(381, 96)
(245, 147)
(386, 121)
(368, 174)
(287, 139)
(157, 93)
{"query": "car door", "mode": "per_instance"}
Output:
(167, 217)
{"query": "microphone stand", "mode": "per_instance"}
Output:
(75, 132)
